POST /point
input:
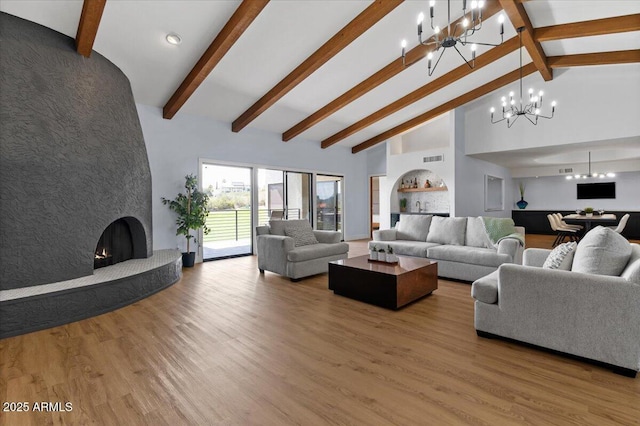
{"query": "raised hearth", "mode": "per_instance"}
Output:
(32, 308)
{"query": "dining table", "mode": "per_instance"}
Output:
(588, 221)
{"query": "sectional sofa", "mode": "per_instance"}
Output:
(460, 245)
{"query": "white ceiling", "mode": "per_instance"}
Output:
(132, 35)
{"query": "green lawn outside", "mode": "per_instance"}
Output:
(225, 225)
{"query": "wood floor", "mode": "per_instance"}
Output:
(228, 346)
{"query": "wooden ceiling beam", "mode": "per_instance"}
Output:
(447, 106)
(226, 38)
(393, 68)
(618, 24)
(519, 18)
(600, 58)
(429, 88)
(88, 26)
(353, 30)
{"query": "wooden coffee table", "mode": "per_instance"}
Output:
(389, 286)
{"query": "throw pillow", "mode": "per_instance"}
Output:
(301, 233)
(413, 227)
(447, 230)
(476, 235)
(561, 257)
(602, 251)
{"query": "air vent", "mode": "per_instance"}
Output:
(561, 171)
(433, 159)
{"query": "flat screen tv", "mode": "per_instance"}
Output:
(587, 191)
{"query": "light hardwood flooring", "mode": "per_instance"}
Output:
(228, 346)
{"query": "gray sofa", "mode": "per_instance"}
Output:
(460, 245)
(591, 310)
(291, 248)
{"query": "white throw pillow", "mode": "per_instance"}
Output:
(476, 234)
(602, 251)
(631, 272)
(413, 227)
(447, 230)
(561, 257)
(301, 233)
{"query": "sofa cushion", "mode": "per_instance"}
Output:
(405, 248)
(301, 233)
(447, 230)
(469, 255)
(316, 251)
(561, 257)
(413, 227)
(485, 289)
(602, 251)
(631, 272)
(476, 234)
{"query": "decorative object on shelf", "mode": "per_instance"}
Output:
(402, 184)
(592, 175)
(588, 211)
(457, 32)
(403, 204)
(427, 184)
(192, 210)
(512, 110)
(522, 204)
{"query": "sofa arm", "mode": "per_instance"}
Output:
(273, 251)
(535, 257)
(384, 235)
(328, 237)
(510, 246)
(262, 230)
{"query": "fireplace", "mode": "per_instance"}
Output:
(120, 241)
(114, 246)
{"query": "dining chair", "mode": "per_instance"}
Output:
(565, 224)
(621, 225)
(562, 231)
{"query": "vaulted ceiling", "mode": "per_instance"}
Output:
(325, 70)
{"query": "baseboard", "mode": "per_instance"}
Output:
(627, 372)
(357, 237)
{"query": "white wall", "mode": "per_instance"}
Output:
(175, 146)
(399, 162)
(594, 103)
(470, 177)
(377, 160)
(558, 193)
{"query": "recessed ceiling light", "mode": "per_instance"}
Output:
(173, 38)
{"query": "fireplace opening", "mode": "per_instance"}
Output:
(115, 245)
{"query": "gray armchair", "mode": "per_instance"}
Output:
(281, 249)
(596, 317)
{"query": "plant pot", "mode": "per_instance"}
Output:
(188, 259)
(589, 214)
(373, 255)
(522, 204)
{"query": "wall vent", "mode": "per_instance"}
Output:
(433, 159)
(569, 170)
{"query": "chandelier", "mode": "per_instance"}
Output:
(511, 110)
(471, 23)
(592, 175)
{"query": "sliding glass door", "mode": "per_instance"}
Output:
(283, 195)
(229, 220)
(329, 202)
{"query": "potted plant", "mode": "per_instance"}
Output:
(588, 211)
(373, 253)
(522, 204)
(382, 255)
(391, 258)
(403, 204)
(192, 210)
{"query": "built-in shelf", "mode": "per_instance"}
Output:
(443, 188)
